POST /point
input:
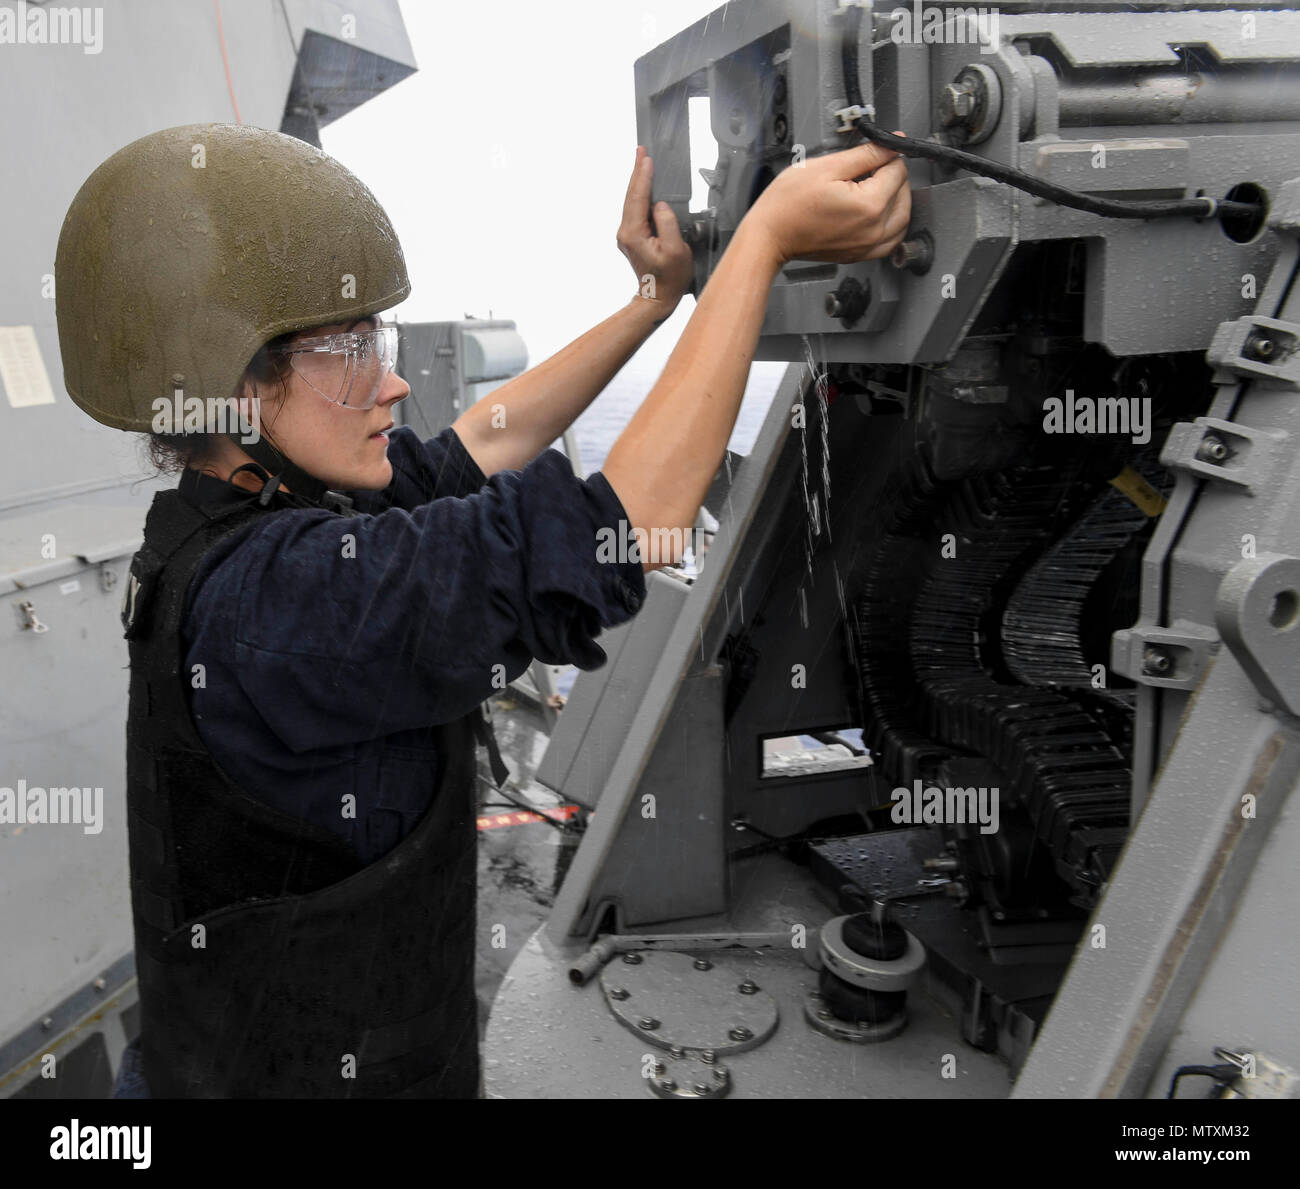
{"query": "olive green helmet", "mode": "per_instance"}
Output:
(187, 250)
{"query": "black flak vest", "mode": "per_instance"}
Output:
(271, 963)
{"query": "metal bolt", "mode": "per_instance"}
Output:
(703, 964)
(708, 1056)
(47, 1023)
(99, 984)
(659, 1068)
(1212, 448)
(956, 103)
(915, 254)
(814, 994)
(647, 1023)
(823, 1013)
(943, 863)
(618, 993)
(748, 987)
(632, 959)
(1156, 660)
(700, 1088)
(676, 1051)
(668, 1084)
(719, 1075)
(741, 1033)
(848, 301)
(1260, 347)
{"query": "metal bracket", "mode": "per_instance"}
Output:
(1166, 658)
(1258, 347)
(1257, 611)
(30, 621)
(1223, 451)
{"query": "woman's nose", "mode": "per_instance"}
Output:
(393, 389)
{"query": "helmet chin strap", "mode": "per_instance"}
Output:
(283, 472)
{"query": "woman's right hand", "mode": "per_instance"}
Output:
(816, 211)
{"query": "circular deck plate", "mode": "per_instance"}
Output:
(689, 1077)
(669, 1003)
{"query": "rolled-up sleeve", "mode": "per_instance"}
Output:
(342, 629)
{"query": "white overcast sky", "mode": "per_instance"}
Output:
(504, 160)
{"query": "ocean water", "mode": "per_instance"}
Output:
(598, 428)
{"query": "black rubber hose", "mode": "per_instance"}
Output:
(1110, 208)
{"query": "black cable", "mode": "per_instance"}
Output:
(1110, 208)
(1222, 1075)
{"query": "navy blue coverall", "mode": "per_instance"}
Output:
(328, 646)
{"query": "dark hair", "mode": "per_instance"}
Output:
(171, 453)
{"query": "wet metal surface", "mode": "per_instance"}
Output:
(519, 866)
(540, 1012)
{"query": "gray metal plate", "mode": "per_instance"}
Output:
(677, 1000)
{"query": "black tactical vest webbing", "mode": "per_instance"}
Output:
(270, 962)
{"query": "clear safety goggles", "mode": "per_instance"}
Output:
(346, 369)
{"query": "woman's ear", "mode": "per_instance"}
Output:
(249, 410)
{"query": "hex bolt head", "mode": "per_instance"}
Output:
(647, 1023)
(700, 1088)
(748, 987)
(823, 1013)
(1212, 448)
(659, 1068)
(740, 1033)
(632, 959)
(708, 1056)
(668, 1084)
(703, 964)
(956, 103)
(619, 993)
(719, 1075)
(676, 1051)
(1156, 660)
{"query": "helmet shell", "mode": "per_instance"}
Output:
(190, 248)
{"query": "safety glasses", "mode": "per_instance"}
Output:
(346, 369)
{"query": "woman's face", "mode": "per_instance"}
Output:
(347, 449)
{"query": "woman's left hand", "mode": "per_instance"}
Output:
(661, 259)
